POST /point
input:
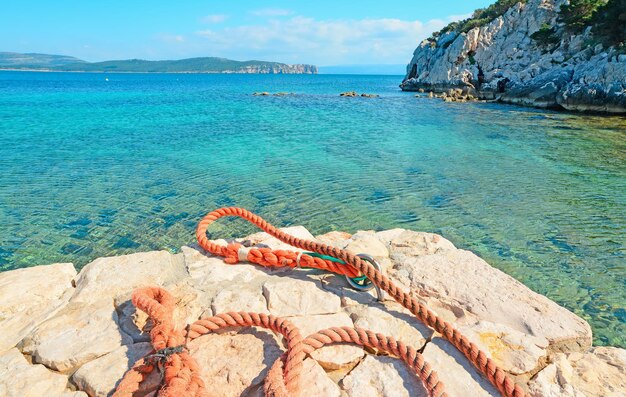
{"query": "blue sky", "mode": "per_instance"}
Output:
(321, 32)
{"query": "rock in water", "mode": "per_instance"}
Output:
(501, 60)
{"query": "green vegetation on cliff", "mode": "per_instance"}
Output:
(606, 17)
(481, 16)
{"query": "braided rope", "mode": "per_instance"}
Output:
(181, 372)
(478, 358)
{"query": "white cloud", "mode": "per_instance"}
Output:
(172, 38)
(271, 12)
(214, 18)
(323, 42)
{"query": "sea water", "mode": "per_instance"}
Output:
(107, 164)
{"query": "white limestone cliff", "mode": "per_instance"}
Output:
(501, 61)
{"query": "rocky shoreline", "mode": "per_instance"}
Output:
(75, 334)
(501, 61)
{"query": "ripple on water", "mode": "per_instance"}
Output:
(540, 195)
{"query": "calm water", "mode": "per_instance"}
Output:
(90, 167)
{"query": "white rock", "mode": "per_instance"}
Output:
(461, 279)
(211, 272)
(410, 243)
(513, 351)
(315, 382)
(20, 379)
(78, 333)
(379, 376)
(599, 372)
(335, 356)
(233, 365)
(238, 299)
(459, 376)
(30, 296)
(391, 320)
(387, 235)
(366, 242)
(112, 276)
(100, 376)
(289, 297)
(334, 239)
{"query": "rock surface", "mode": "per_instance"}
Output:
(108, 277)
(20, 379)
(501, 61)
(93, 334)
(77, 334)
(234, 364)
(100, 376)
(30, 296)
(382, 377)
(468, 284)
(599, 372)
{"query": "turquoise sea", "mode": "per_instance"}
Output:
(95, 164)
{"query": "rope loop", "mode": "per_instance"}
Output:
(181, 372)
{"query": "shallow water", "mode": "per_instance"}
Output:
(90, 167)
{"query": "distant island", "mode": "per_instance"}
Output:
(62, 63)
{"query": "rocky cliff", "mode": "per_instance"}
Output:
(500, 60)
(75, 335)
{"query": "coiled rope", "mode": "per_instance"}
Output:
(181, 373)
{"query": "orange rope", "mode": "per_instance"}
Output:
(283, 380)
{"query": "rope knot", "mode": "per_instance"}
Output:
(231, 253)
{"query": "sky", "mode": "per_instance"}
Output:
(320, 32)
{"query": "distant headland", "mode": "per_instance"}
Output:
(62, 63)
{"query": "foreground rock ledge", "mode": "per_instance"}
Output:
(68, 334)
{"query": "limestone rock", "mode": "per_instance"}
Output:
(30, 296)
(20, 379)
(289, 297)
(459, 376)
(380, 376)
(461, 279)
(316, 382)
(102, 277)
(513, 351)
(364, 242)
(501, 60)
(233, 365)
(599, 372)
(100, 377)
(391, 319)
(335, 356)
(238, 299)
(410, 243)
(335, 239)
(78, 333)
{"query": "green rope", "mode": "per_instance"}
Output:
(333, 259)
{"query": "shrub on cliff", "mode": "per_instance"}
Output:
(609, 23)
(545, 36)
(578, 14)
(480, 17)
